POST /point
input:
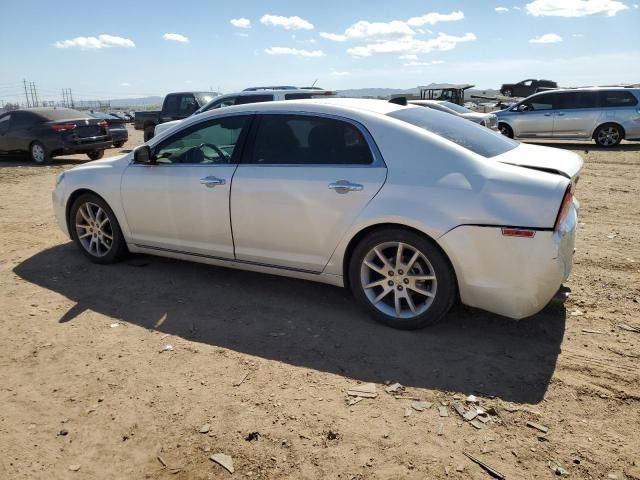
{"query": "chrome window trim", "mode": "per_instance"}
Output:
(378, 160)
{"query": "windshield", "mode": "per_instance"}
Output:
(456, 108)
(204, 98)
(469, 135)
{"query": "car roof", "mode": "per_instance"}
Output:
(55, 113)
(382, 107)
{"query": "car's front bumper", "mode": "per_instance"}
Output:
(59, 199)
(511, 276)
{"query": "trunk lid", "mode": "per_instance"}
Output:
(546, 159)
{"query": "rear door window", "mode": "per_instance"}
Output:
(617, 98)
(4, 122)
(549, 101)
(171, 104)
(246, 99)
(581, 100)
(308, 140)
(188, 105)
(21, 120)
(297, 96)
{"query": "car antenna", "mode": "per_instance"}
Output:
(314, 83)
(399, 101)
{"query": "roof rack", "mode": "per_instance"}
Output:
(273, 87)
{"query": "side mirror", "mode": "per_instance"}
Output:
(143, 155)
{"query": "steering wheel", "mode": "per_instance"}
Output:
(221, 153)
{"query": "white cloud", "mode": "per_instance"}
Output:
(547, 38)
(635, 5)
(101, 41)
(408, 57)
(124, 84)
(574, 8)
(293, 51)
(175, 37)
(516, 8)
(240, 22)
(423, 64)
(501, 9)
(395, 28)
(411, 45)
(340, 74)
(288, 23)
(433, 18)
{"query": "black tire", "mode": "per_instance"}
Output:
(445, 280)
(149, 132)
(39, 154)
(118, 246)
(118, 144)
(505, 130)
(507, 92)
(96, 155)
(608, 135)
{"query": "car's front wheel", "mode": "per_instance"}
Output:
(507, 92)
(505, 130)
(608, 135)
(96, 155)
(95, 229)
(402, 278)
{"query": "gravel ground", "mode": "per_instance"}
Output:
(88, 392)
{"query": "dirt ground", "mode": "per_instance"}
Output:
(87, 391)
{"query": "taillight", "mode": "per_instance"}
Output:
(103, 124)
(63, 127)
(518, 232)
(564, 207)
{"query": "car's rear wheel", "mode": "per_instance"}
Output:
(39, 153)
(505, 130)
(608, 135)
(149, 132)
(96, 155)
(402, 278)
(95, 229)
(118, 144)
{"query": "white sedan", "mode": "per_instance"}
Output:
(409, 207)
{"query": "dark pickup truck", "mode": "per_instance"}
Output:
(176, 106)
(526, 87)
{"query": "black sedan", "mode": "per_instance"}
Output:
(44, 133)
(117, 127)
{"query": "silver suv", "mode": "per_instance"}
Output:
(606, 115)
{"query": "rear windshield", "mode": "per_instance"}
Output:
(469, 135)
(455, 107)
(56, 114)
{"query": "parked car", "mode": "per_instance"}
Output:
(122, 116)
(44, 133)
(117, 128)
(488, 120)
(526, 87)
(176, 106)
(605, 115)
(255, 95)
(409, 207)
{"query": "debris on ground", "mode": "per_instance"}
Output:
(556, 468)
(252, 436)
(241, 381)
(167, 348)
(595, 332)
(471, 399)
(75, 467)
(205, 428)
(630, 327)
(421, 406)
(476, 424)
(407, 412)
(161, 460)
(332, 435)
(63, 433)
(394, 388)
(577, 313)
(537, 426)
(365, 390)
(443, 411)
(355, 400)
(223, 460)
(490, 470)
(114, 325)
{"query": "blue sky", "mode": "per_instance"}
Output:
(120, 48)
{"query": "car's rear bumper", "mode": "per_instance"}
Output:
(66, 147)
(119, 135)
(510, 276)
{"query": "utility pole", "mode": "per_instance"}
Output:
(35, 91)
(64, 99)
(25, 92)
(71, 97)
(34, 101)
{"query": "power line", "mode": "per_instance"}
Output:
(25, 92)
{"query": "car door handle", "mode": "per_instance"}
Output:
(547, 114)
(211, 182)
(344, 186)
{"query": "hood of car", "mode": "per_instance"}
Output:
(545, 159)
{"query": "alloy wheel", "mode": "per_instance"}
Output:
(37, 153)
(398, 280)
(94, 229)
(608, 136)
